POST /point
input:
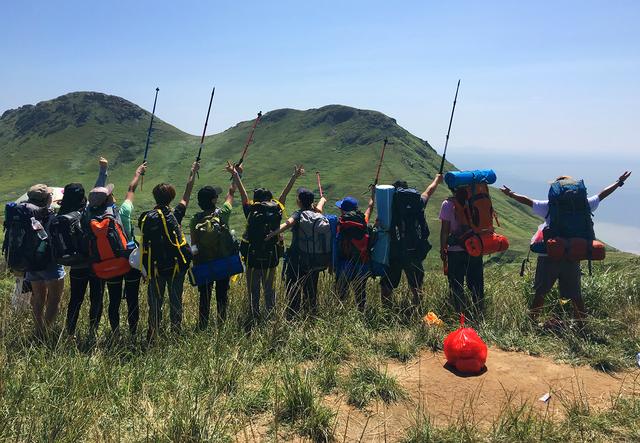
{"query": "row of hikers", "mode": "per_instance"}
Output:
(95, 237)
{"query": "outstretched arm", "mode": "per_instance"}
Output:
(103, 173)
(321, 203)
(187, 190)
(517, 197)
(606, 192)
(432, 187)
(235, 174)
(297, 172)
(134, 181)
(372, 200)
(283, 227)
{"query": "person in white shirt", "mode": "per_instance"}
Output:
(566, 272)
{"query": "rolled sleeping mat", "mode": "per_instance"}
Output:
(575, 249)
(384, 200)
(333, 223)
(455, 179)
(485, 244)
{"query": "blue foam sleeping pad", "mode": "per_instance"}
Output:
(380, 251)
(455, 179)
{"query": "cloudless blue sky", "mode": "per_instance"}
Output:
(536, 76)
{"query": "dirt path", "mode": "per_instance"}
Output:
(513, 377)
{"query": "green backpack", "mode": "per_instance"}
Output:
(212, 238)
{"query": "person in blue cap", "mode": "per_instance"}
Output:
(352, 250)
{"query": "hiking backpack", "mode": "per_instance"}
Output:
(69, 240)
(164, 246)
(475, 215)
(107, 244)
(23, 248)
(263, 218)
(353, 237)
(569, 212)
(212, 238)
(409, 232)
(313, 241)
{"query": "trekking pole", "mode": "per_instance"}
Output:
(146, 148)
(249, 140)
(446, 143)
(204, 131)
(384, 148)
(319, 184)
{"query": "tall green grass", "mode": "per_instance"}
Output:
(224, 383)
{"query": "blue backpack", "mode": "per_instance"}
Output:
(569, 211)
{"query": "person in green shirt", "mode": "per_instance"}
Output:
(208, 200)
(131, 280)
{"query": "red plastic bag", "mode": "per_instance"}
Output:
(465, 350)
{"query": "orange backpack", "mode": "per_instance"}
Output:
(475, 214)
(108, 246)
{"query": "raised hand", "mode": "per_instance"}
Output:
(230, 168)
(103, 162)
(298, 170)
(506, 191)
(439, 178)
(141, 169)
(624, 177)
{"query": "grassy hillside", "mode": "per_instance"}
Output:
(58, 141)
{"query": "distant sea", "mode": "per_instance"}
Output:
(617, 220)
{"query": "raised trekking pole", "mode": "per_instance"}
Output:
(249, 140)
(204, 131)
(384, 148)
(446, 143)
(146, 148)
(319, 184)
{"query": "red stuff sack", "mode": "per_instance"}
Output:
(465, 350)
(485, 244)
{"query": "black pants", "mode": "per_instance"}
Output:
(461, 266)
(80, 278)
(352, 275)
(222, 301)
(302, 288)
(131, 282)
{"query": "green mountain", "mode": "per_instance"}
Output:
(59, 141)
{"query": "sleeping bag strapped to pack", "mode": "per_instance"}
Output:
(69, 240)
(474, 213)
(25, 247)
(108, 244)
(465, 350)
(312, 241)
(570, 232)
(164, 246)
(353, 237)
(409, 232)
(263, 218)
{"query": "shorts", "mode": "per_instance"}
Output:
(53, 272)
(412, 268)
(566, 272)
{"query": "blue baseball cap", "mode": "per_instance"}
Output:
(347, 204)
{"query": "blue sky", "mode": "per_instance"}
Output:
(536, 76)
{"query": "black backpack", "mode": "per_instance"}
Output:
(164, 246)
(409, 232)
(22, 248)
(569, 211)
(69, 240)
(263, 218)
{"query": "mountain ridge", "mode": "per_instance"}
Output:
(58, 141)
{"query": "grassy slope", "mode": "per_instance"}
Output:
(341, 142)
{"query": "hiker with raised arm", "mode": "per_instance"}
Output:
(127, 285)
(166, 256)
(565, 238)
(352, 267)
(409, 240)
(211, 239)
(308, 254)
(262, 256)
